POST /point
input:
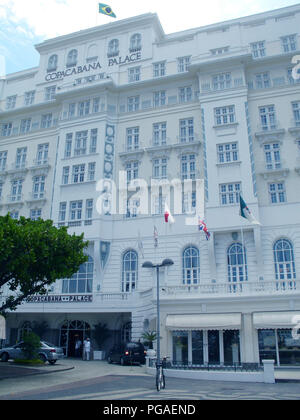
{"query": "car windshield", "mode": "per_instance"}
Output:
(46, 344)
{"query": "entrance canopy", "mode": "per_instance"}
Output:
(204, 322)
(266, 320)
(2, 328)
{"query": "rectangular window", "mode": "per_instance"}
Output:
(218, 51)
(6, 129)
(96, 105)
(89, 209)
(296, 113)
(158, 204)
(38, 190)
(258, 49)
(29, 98)
(42, 154)
(224, 115)
(21, 157)
(221, 81)
(272, 156)
(186, 130)
(262, 80)
(132, 170)
(159, 134)
(84, 108)
(91, 171)
(159, 69)
(188, 167)
(93, 141)
(62, 212)
(227, 152)
(35, 214)
(1, 189)
(14, 215)
(46, 121)
(160, 168)
(189, 202)
(291, 79)
(159, 98)
(133, 103)
(134, 74)
(277, 192)
(132, 138)
(75, 210)
(50, 93)
(68, 145)
(16, 190)
(268, 117)
(80, 143)
(78, 173)
(72, 110)
(230, 193)
(183, 64)
(25, 126)
(3, 158)
(65, 177)
(289, 43)
(11, 102)
(185, 94)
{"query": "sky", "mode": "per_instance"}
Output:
(25, 23)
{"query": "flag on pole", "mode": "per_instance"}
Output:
(140, 244)
(106, 10)
(246, 213)
(168, 215)
(155, 236)
(202, 227)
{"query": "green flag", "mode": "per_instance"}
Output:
(246, 213)
(106, 10)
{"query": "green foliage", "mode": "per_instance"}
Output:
(100, 333)
(149, 337)
(31, 344)
(33, 255)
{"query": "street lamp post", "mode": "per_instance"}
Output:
(148, 264)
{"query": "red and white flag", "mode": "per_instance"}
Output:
(168, 216)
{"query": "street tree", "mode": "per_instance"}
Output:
(33, 255)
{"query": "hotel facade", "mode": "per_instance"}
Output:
(219, 103)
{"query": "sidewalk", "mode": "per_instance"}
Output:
(76, 369)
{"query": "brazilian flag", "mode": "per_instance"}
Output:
(106, 10)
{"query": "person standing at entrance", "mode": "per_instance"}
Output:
(86, 349)
(78, 345)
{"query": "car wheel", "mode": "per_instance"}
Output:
(109, 360)
(52, 362)
(4, 357)
(43, 358)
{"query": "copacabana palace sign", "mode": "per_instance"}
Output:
(94, 66)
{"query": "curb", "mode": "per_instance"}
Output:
(36, 373)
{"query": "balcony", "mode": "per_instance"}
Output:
(262, 288)
(18, 168)
(295, 127)
(273, 169)
(40, 167)
(36, 197)
(269, 132)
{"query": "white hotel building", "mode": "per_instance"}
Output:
(218, 103)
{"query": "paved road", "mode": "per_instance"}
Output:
(100, 381)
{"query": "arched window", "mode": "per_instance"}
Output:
(135, 43)
(82, 281)
(72, 58)
(113, 48)
(284, 260)
(52, 63)
(129, 271)
(237, 263)
(191, 265)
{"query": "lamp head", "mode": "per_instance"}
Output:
(148, 264)
(167, 262)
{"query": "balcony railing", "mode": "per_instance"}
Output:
(238, 289)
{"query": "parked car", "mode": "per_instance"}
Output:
(127, 353)
(47, 352)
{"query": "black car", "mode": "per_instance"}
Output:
(127, 353)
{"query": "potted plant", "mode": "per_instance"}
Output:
(100, 333)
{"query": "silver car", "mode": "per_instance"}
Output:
(47, 352)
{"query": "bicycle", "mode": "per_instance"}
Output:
(160, 377)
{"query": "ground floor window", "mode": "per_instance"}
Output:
(279, 345)
(203, 347)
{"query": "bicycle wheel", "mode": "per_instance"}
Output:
(158, 383)
(163, 381)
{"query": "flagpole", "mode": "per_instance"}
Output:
(244, 254)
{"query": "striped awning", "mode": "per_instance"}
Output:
(265, 320)
(204, 322)
(2, 328)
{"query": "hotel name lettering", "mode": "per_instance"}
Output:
(60, 299)
(136, 56)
